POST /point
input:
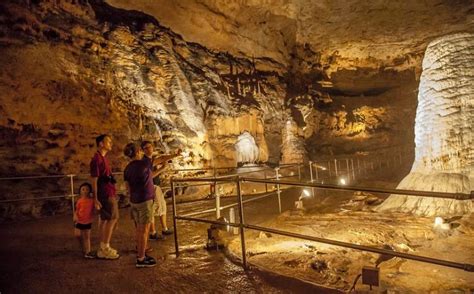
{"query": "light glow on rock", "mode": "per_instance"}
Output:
(246, 148)
(444, 157)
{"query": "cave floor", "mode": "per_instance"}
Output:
(351, 218)
(42, 256)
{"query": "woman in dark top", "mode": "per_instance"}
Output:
(139, 181)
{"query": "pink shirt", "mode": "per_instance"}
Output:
(85, 211)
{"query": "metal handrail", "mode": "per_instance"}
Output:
(464, 266)
(230, 205)
(458, 196)
(242, 225)
(34, 177)
(121, 172)
(37, 198)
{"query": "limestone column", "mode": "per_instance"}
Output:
(444, 125)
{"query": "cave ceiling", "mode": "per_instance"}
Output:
(355, 33)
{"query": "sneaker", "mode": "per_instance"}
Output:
(112, 250)
(89, 255)
(167, 232)
(155, 236)
(147, 262)
(107, 254)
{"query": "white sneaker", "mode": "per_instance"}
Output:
(112, 250)
(106, 254)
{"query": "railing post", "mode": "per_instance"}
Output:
(348, 169)
(71, 177)
(213, 185)
(233, 230)
(311, 171)
(175, 227)
(266, 184)
(329, 170)
(353, 170)
(358, 166)
(299, 172)
(218, 206)
(316, 172)
(278, 188)
(335, 166)
(241, 227)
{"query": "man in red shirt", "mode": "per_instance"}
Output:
(105, 198)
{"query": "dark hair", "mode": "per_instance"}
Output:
(144, 143)
(131, 150)
(88, 186)
(100, 138)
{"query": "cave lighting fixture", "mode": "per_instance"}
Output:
(342, 181)
(305, 193)
(440, 224)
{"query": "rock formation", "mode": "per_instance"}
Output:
(74, 69)
(246, 148)
(444, 157)
(344, 34)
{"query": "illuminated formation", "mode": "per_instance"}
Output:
(444, 160)
(246, 148)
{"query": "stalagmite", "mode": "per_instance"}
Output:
(246, 148)
(444, 159)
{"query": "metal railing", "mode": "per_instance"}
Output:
(68, 191)
(319, 171)
(242, 225)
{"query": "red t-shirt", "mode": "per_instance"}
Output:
(100, 167)
(85, 211)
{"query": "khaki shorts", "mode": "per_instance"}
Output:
(109, 210)
(159, 206)
(142, 213)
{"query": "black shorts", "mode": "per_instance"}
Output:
(83, 226)
(109, 210)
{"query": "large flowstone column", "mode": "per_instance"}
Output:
(444, 157)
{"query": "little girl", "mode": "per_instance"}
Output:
(83, 219)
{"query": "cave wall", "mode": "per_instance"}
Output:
(347, 34)
(87, 68)
(74, 69)
(359, 110)
(71, 71)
